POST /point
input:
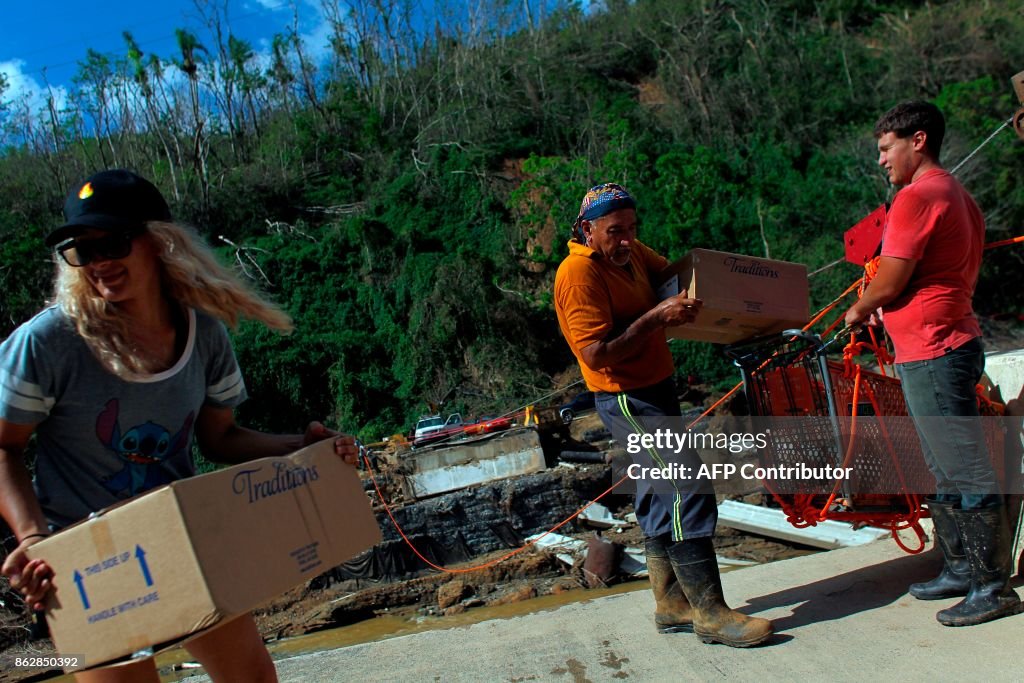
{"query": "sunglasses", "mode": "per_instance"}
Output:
(82, 252)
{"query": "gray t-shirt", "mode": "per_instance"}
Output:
(102, 439)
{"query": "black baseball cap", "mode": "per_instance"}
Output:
(113, 201)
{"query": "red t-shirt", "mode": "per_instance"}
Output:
(936, 222)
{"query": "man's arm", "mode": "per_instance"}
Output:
(677, 310)
(890, 281)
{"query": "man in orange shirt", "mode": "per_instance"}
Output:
(931, 254)
(615, 325)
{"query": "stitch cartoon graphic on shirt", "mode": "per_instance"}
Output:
(142, 447)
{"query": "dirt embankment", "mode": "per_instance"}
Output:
(529, 574)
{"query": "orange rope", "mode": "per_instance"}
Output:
(881, 352)
(897, 522)
(715, 405)
(870, 271)
(823, 515)
(800, 509)
(835, 302)
(1005, 243)
(834, 325)
(911, 520)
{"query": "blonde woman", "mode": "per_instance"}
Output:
(115, 379)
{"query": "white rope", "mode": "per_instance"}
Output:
(536, 401)
(977, 149)
(824, 268)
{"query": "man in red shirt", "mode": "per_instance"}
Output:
(931, 253)
(615, 325)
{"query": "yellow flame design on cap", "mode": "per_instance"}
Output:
(86, 191)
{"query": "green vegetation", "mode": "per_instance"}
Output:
(409, 201)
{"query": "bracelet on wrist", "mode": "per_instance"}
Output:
(33, 536)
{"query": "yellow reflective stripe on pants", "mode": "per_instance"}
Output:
(677, 499)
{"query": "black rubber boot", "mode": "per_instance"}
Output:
(672, 613)
(955, 578)
(696, 569)
(985, 533)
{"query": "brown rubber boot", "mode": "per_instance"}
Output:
(696, 568)
(672, 613)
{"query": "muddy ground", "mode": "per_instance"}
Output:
(526, 575)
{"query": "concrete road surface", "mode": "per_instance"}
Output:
(842, 615)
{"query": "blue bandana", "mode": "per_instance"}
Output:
(601, 200)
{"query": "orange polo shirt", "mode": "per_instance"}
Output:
(596, 300)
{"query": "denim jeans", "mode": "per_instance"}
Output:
(941, 396)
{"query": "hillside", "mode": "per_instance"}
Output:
(409, 201)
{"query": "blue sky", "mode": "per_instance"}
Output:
(55, 34)
(43, 41)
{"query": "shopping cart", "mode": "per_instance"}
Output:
(829, 413)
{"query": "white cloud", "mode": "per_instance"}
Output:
(316, 41)
(272, 4)
(23, 87)
(314, 31)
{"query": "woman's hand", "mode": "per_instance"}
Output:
(345, 446)
(32, 578)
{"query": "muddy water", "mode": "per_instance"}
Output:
(388, 626)
(383, 627)
(391, 626)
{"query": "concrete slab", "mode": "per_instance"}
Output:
(1005, 371)
(839, 614)
(772, 522)
(474, 461)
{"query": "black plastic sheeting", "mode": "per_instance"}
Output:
(464, 524)
(394, 560)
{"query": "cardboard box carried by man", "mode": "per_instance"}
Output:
(743, 296)
(184, 557)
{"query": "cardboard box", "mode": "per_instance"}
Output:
(183, 557)
(743, 296)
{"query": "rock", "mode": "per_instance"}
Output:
(524, 593)
(450, 593)
(601, 563)
(454, 609)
